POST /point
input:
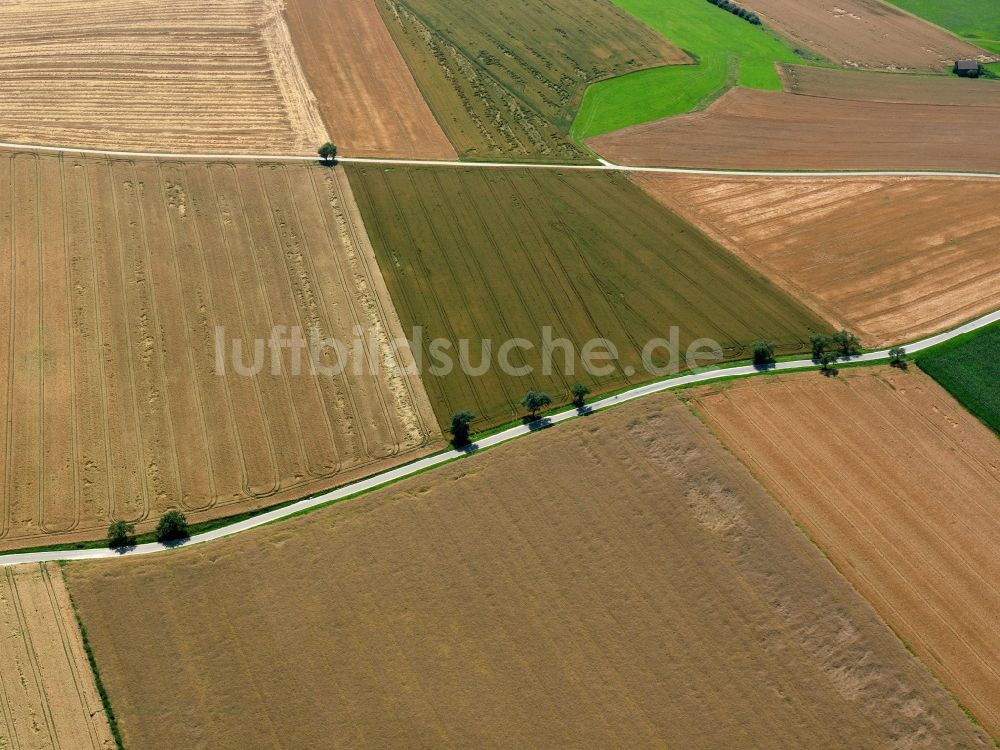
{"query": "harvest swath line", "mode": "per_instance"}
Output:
(380, 480)
(604, 166)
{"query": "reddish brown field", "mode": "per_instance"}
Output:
(865, 33)
(620, 582)
(894, 259)
(116, 278)
(368, 97)
(48, 699)
(779, 131)
(901, 487)
(889, 87)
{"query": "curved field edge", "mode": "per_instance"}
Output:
(587, 257)
(967, 367)
(501, 92)
(487, 440)
(547, 570)
(727, 51)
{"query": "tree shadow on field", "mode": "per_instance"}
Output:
(536, 423)
(829, 372)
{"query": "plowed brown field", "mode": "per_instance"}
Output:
(889, 87)
(189, 75)
(48, 699)
(115, 277)
(623, 582)
(367, 95)
(865, 33)
(764, 130)
(893, 259)
(901, 487)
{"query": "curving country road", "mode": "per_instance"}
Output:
(388, 477)
(604, 166)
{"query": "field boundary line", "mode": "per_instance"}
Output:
(603, 166)
(377, 481)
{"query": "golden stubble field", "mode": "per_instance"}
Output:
(48, 699)
(620, 582)
(116, 277)
(901, 487)
(143, 75)
(892, 258)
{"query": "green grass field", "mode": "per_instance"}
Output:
(728, 49)
(504, 78)
(497, 254)
(976, 20)
(969, 368)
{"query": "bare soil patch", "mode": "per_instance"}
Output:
(367, 95)
(901, 487)
(865, 34)
(890, 87)
(123, 277)
(894, 259)
(185, 76)
(48, 698)
(778, 131)
(621, 582)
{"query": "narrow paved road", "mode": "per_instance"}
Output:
(380, 480)
(604, 166)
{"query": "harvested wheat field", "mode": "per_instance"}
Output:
(889, 87)
(623, 582)
(894, 259)
(121, 281)
(191, 75)
(901, 487)
(48, 699)
(747, 129)
(368, 97)
(865, 34)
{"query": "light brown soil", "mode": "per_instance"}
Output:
(894, 259)
(889, 87)
(620, 582)
(901, 487)
(779, 131)
(48, 699)
(120, 273)
(367, 95)
(185, 76)
(865, 34)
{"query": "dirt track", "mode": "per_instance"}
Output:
(901, 487)
(367, 95)
(121, 274)
(48, 699)
(889, 87)
(764, 130)
(621, 583)
(192, 75)
(865, 33)
(895, 259)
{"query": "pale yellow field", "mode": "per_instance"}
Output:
(189, 75)
(48, 699)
